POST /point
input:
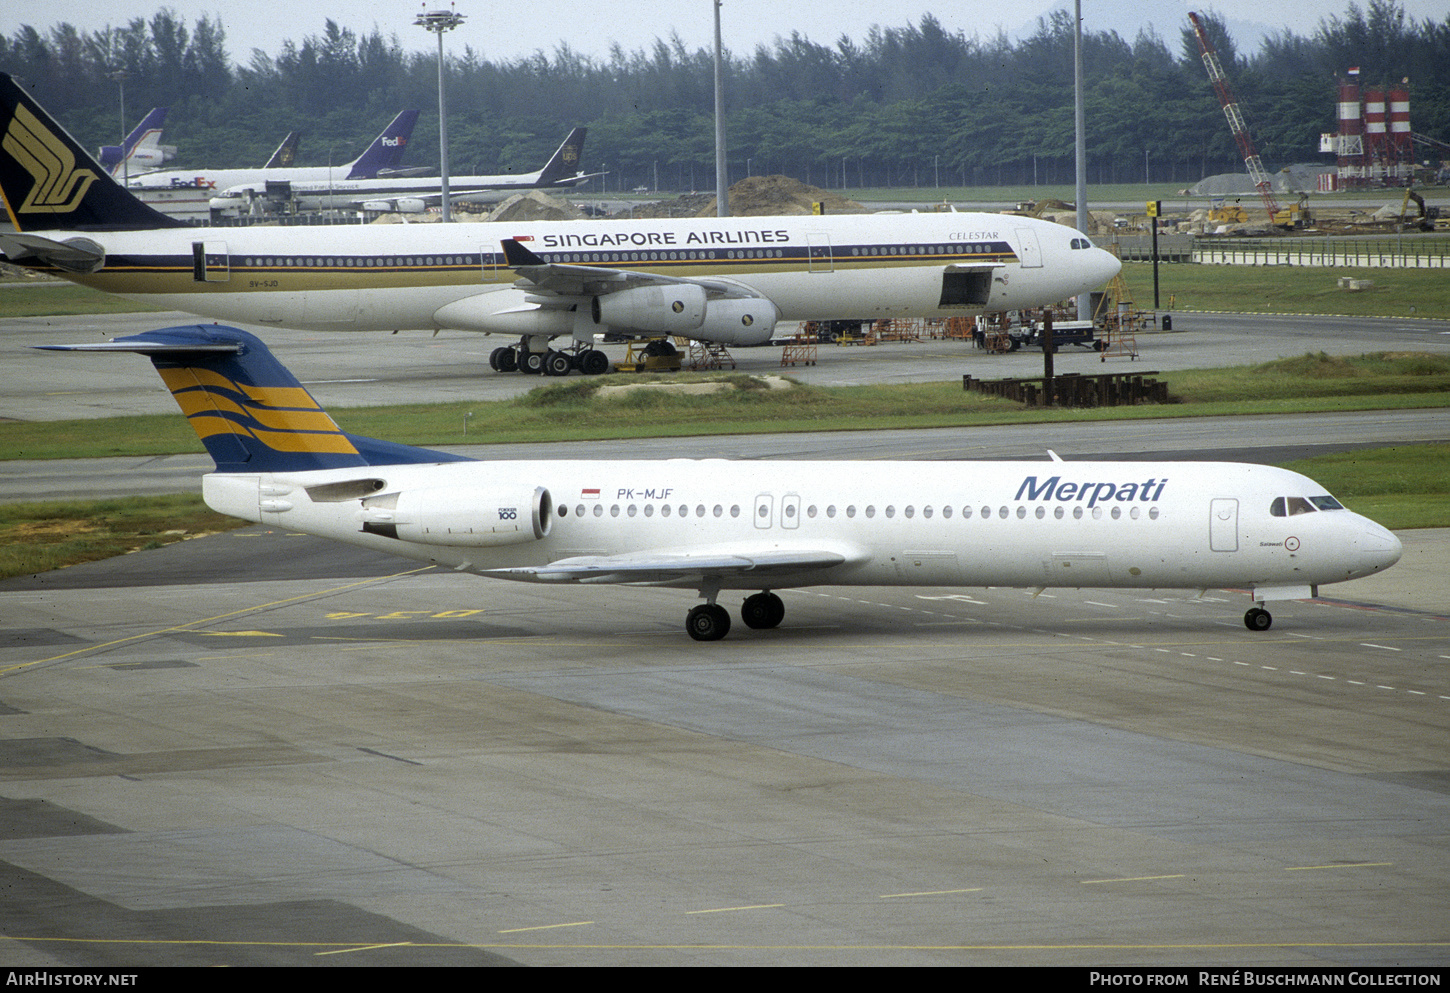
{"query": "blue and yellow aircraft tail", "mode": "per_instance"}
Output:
(248, 410)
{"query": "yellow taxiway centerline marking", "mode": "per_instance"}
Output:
(208, 620)
(726, 910)
(1345, 865)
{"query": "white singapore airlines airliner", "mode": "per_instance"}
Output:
(726, 280)
(715, 525)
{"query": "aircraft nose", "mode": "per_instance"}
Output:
(1378, 548)
(1106, 265)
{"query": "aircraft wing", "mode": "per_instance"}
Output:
(590, 280)
(577, 178)
(658, 568)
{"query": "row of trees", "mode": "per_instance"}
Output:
(916, 105)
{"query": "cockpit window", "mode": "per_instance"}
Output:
(1294, 506)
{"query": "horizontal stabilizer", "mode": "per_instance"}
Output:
(248, 410)
(71, 255)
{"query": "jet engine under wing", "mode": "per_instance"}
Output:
(643, 303)
(678, 568)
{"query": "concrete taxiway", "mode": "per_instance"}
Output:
(356, 763)
(260, 748)
(372, 368)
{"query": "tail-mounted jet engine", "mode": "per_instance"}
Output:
(470, 517)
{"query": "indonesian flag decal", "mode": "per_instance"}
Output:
(590, 494)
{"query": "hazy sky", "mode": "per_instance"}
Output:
(590, 27)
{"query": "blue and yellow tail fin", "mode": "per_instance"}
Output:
(248, 410)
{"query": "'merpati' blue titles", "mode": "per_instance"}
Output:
(1054, 488)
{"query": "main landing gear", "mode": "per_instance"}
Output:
(517, 358)
(1258, 619)
(711, 622)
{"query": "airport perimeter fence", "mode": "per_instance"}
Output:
(1391, 252)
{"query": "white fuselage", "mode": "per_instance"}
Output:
(1027, 524)
(343, 194)
(401, 276)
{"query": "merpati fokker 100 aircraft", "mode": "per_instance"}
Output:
(754, 526)
(726, 280)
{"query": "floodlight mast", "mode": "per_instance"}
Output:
(439, 21)
(1235, 116)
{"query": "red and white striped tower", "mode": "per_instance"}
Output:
(1376, 152)
(1400, 146)
(1351, 134)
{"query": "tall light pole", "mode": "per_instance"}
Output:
(439, 21)
(1084, 302)
(722, 179)
(120, 77)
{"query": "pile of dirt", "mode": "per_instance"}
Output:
(755, 196)
(763, 196)
(1098, 221)
(535, 206)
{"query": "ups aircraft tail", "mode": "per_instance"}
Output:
(48, 182)
(286, 153)
(564, 163)
(248, 410)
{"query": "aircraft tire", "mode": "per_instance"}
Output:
(531, 363)
(593, 362)
(1258, 619)
(708, 622)
(762, 610)
(556, 364)
(494, 359)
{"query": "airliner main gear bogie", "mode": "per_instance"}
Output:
(517, 358)
(1258, 619)
(762, 610)
(592, 362)
(504, 359)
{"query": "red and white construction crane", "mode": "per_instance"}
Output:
(1235, 117)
